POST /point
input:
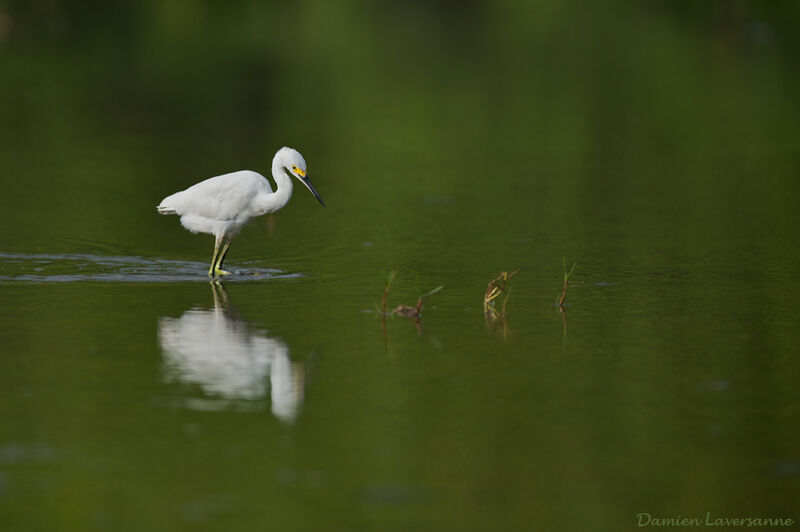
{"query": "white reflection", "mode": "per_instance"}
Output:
(229, 361)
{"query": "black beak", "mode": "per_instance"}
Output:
(307, 182)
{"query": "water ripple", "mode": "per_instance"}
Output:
(69, 267)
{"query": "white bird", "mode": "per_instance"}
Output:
(222, 205)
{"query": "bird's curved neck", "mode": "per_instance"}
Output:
(282, 194)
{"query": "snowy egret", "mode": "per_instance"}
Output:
(222, 205)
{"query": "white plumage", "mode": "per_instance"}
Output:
(222, 205)
(219, 205)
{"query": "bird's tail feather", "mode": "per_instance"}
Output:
(162, 209)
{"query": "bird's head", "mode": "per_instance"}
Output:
(294, 165)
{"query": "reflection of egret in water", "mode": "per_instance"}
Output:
(229, 361)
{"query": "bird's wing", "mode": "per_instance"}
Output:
(224, 197)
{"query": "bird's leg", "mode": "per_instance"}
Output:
(214, 257)
(218, 270)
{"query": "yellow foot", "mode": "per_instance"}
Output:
(216, 272)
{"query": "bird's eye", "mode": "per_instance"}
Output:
(294, 167)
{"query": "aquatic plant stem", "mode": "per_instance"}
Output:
(387, 284)
(562, 300)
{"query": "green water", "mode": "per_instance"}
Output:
(657, 146)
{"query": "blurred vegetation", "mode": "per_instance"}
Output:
(121, 103)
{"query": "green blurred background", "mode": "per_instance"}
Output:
(134, 100)
(655, 143)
